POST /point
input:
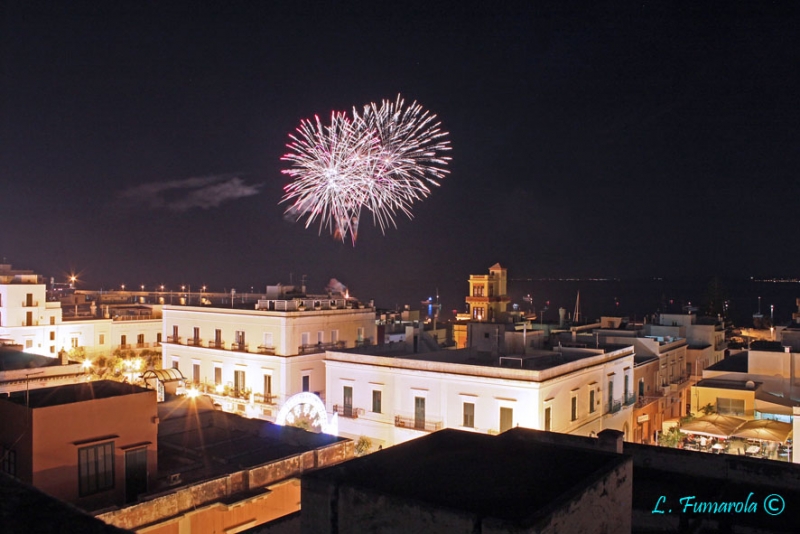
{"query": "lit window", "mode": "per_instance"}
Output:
(469, 415)
(376, 401)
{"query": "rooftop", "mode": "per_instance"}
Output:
(399, 355)
(14, 360)
(199, 442)
(735, 363)
(508, 477)
(70, 393)
(722, 383)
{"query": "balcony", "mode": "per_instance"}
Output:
(615, 406)
(194, 342)
(143, 345)
(363, 343)
(174, 339)
(630, 399)
(265, 399)
(347, 411)
(125, 346)
(239, 347)
(266, 349)
(216, 344)
(31, 304)
(411, 422)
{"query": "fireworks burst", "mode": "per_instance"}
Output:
(383, 159)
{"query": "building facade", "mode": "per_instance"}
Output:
(253, 360)
(392, 399)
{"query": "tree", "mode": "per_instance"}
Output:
(670, 438)
(363, 445)
(708, 409)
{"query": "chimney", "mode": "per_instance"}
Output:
(610, 440)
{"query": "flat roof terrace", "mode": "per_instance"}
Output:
(505, 476)
(536, 366)
(71, 393)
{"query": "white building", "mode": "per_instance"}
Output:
(27, 318)
(255, 359)
(393, 399)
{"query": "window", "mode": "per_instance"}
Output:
(52, 349)
(52, 319)
(28, 318)
(304, 338)
(52, 336)
(196, 373)
(506, 419)
(175, 364)
(96, 468)
(574, 409)
(548, 420)
(158, 337)
(376, 401)
(477, 291)
(591, 401)
(9, 462)
(175, 334)
(29, 299)
(102, 339)
(123, 340)
(217, 337)
(306, 380)
(730, 406)
(268, 339)
(419, 413)
(196, 333)
(240, 338)
(267, 386)
(29, 343)
(238, 381)
(347, 395)
(478, 313)
(360, 333)
(469, 415)
(74, 342)
(334, 336)
(217, 375)
(140, 340)
(320, 337)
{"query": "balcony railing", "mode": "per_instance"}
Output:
(216, 344)
(194, 342)
(615, 406)
(630, 399)
(173, 339)
(32, 304)
(347, 411)
(142, 345)
(124, 346)
(411, 422)
(363, 343)
(239, 347)
(265, 399)
(266, 349)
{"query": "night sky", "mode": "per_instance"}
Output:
(140, 142)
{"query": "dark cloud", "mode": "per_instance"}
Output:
(200, 192)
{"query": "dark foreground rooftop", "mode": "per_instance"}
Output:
(503, 476)
(70, 393)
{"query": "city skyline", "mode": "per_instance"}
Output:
(141, 144)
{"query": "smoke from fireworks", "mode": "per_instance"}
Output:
(382, 159)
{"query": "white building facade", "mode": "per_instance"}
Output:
(394, 399)
(252, 360)
(28, 319)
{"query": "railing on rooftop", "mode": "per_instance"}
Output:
(320, 347)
